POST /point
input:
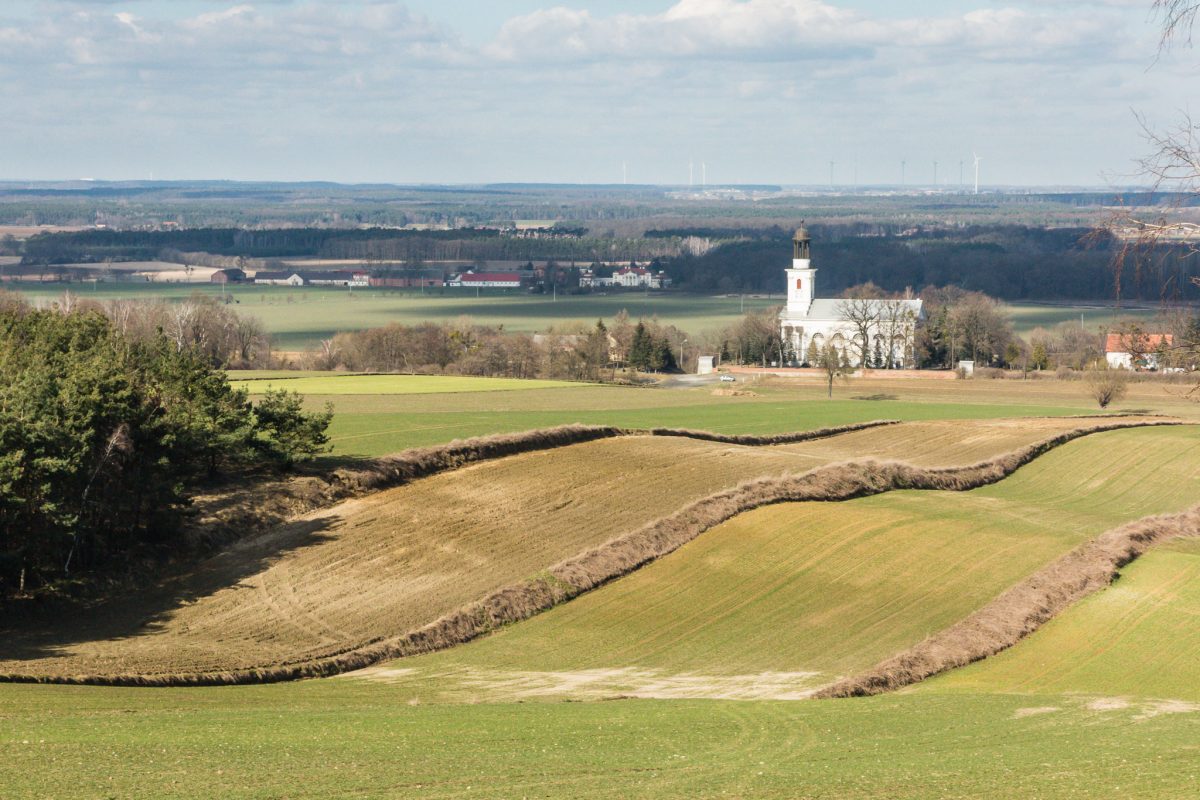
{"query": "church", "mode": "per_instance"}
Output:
(865, 333)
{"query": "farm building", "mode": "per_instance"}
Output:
(863, 332)
(1135, 350)
(284, 278)
(337, 278)
(486, 280)
(406, 281)
(231, 275)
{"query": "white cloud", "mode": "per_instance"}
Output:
(372, 91)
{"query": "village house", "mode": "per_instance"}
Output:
(864, 332)
(1136, 351)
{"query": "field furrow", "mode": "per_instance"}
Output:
(379, 566)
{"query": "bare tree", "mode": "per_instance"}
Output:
(897, 320)
(1178, 17)
(833, 364)
(863, 315)
(1172, 164)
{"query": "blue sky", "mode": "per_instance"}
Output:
(765, 91)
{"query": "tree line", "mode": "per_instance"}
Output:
(97, 246)
(571, 352)
(104, 435)
(1007, 262)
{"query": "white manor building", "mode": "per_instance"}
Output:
(867, 333)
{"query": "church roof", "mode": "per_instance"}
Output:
(831, 308)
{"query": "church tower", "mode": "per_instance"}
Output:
(801, 277)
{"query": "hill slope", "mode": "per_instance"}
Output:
(783, 599)
(378, 566)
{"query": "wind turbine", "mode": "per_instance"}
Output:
(903, 167)
(935, 173)
(691, 173)
(831, 163)
(977, 160)
(624, 174)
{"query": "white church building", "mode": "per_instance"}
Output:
(865, 333)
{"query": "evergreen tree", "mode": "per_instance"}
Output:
(812, 355)
(641, 350)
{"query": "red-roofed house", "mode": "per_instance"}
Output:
(1135, 350)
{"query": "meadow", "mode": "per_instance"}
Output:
(299, 319)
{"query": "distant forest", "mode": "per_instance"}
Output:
(96, 246)
(1011, 262)
(1008, 262)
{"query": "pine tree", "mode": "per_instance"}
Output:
(812, 356)
(641, 350)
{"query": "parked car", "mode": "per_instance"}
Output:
(728, 379)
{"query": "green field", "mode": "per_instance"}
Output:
(1094, 316)
(377, 415)
(1139, 638)
(334, 384)
(300, 318)
(335, 738)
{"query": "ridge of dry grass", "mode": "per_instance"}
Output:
(1022, 609)
(256, 508)
(750, 440)
(617, 557)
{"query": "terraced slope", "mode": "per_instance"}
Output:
(783, 599)
(376, 567)
(1140, 638)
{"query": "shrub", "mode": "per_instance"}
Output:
(1107, 385)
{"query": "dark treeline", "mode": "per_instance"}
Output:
(95, 246)
(103, 437)
(1008, 262)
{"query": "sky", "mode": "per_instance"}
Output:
(586, 91)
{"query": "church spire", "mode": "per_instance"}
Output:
(801, 243)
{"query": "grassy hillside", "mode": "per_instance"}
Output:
(785, 598)
(399, 559)
(1138, 638)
